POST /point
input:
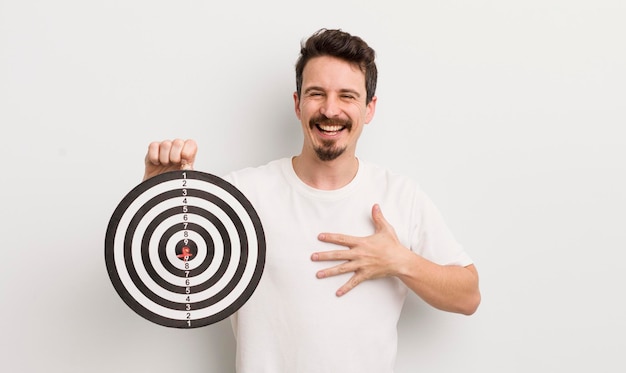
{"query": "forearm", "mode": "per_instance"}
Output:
(448, 288)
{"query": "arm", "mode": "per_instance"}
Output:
(169, 156)
(448, 288)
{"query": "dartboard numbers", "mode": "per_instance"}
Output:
(185, 249)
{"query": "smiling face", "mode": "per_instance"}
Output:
(332, 108)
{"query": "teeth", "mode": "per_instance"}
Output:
(331, 128)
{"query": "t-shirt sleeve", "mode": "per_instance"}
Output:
(431, 237)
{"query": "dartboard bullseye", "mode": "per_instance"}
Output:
(185, 249)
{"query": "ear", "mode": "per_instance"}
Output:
(296, 104)
(370, 110)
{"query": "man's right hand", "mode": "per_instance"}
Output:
(169, 155)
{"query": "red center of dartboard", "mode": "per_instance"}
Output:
(186, 253)
(186, 250)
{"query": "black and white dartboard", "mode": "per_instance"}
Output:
(185, 249)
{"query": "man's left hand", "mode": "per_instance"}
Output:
(371, 257)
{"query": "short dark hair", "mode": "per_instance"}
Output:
(342, 45)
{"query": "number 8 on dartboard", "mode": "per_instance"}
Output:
(185, 249)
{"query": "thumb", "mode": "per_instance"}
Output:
(377, 216)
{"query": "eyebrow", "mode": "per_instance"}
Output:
(344, 90)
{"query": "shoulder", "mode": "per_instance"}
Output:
(256, 171)
(258, 177)
(379, 176)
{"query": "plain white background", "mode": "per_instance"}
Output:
(510, 114)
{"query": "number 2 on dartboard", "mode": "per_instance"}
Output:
(185, 210)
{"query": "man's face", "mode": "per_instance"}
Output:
(332, 107)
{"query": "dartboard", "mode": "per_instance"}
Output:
(185, 249)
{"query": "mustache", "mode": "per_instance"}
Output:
(324, 120)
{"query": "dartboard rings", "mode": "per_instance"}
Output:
(185, 249)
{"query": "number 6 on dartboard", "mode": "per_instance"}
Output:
(189, 265)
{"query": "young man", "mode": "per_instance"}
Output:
(345, 239)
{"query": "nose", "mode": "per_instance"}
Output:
(330, 107)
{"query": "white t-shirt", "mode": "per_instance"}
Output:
(294, 322)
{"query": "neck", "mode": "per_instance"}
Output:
(325, 175)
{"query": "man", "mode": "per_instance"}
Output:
(345, 239)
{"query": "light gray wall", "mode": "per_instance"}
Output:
(510, 114)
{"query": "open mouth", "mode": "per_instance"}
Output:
(329, 129)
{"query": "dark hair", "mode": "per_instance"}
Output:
(339, 44)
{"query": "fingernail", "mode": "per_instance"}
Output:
(314, 256)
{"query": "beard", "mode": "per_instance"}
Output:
(329, 150)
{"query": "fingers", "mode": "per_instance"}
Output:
(351, 284)
(377, 215)
(379, 220)
(367, 257)
(347, 267)
(380, 223)
(335, 255)
(169, 155)
(188, 154)
(152, 156)
(339, 269)
(172, 152)
(165, 158)
(338, 239)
